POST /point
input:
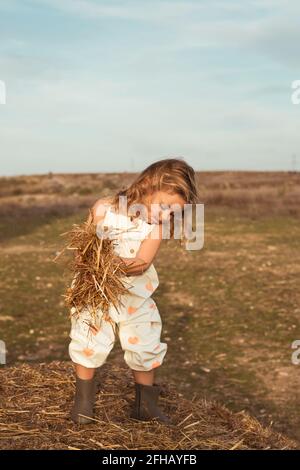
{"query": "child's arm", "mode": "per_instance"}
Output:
(147, 251)
(145, 255)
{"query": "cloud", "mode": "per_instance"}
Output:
(93, 125)
(206, 80)
(133, 10)
(159, 10)
(269, 28)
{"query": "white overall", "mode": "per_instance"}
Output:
(137, 321)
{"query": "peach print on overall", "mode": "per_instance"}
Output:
(131, 310)
(88, 352)
(149, 286)
(155, 364)
(133, 340)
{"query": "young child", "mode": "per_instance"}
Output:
(165, 184)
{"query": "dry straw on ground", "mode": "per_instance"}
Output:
(36, 399)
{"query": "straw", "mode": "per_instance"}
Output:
(35, 414)
(99, 274)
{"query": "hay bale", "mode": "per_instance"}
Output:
(36, 399)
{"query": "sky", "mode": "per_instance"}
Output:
(109, 86)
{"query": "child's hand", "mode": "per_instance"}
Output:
(133, 266)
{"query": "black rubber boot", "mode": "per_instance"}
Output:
(146, 404)
(85, 395)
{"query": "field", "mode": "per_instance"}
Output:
(230, 311)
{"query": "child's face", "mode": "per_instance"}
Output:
(164, 200)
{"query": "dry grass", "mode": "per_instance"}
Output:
(98, 273)
(35, 403)
(35, 400)
(255, 193)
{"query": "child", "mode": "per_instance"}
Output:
(164, 184)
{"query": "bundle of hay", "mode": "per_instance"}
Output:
(35, 420)
(98, 273)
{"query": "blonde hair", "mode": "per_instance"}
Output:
(171, 175)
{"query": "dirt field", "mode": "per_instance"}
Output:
(230, 311)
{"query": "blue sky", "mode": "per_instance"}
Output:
(114, 85)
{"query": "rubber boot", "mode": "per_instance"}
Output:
(146, 404)
(85, 395)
